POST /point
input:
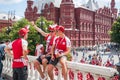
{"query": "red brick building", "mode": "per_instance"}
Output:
(85, 25)
(7, 20)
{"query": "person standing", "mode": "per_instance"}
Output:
(60, 49)
(45, 58)
(2, 54)
(19, 51)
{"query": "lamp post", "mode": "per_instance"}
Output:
(11, 17)
(41, 26)
(8, 30)
(98, 44)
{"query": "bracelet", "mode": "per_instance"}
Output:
(62, 54)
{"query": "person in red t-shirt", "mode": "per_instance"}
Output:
(45, 58)
(60, 49)
(19, 52)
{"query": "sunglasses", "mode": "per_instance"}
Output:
(51, 31)
(57, 31)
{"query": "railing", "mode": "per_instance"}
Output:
(78, 70)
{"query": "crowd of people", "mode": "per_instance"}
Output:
(95, 59)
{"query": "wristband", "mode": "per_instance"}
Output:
(62, 54)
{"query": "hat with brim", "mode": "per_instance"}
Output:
(23, 31)
(60, 28)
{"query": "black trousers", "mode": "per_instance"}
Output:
(20, 73)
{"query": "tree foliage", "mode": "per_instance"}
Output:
(115, 31)
(33, 36)
(43, 24)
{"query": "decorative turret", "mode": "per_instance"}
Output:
(112, 4)
(64, 1)
(31, 11)
(29, 4)
(119, 13)
(113, 9)
(67, 18)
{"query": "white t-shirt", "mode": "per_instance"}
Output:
(38, 50)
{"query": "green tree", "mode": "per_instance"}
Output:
(33, 36)
(115, 31)
(43, 24)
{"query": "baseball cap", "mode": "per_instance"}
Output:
(61, 28)
(24, 31)
(52, 27)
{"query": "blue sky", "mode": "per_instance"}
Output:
(13, 5)
(20, 5)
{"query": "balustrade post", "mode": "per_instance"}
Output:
(84, 75)
(105, 72)
(59, 73)
(95, 76)
(68, 74)
(75, 74)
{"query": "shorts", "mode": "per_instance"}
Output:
(56, 60)
(40, 60)
(48, 58)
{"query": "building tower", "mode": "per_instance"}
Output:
(29, 10)
(113, 6)
(113, 9)
(67, 18)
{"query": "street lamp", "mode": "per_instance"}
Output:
(41, 26)
(8, 30)
(11, 17)
(98, 39)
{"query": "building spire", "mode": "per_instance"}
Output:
(112, 4)
(119, 13)
(63, 1)
(67, 13)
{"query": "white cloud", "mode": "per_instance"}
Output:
(10, 1)
(107, 2)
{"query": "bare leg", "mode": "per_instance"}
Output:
(64, 67)
(44, 62)
(38, 67)
(50, 71)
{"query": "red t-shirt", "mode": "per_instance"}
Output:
(17, 49)
(61, 44)
(49, 42)
(17, 52)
